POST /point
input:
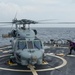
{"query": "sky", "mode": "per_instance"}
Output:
(57, 10)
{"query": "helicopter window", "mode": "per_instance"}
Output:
(22, 45)
(37, 44)
(30, 44)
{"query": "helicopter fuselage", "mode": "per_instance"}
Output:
(27, 48)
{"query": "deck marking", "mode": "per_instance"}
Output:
(63, 47)
(48, 69)
(6, 51)
(1, 50)
(5, 55)
(32, 69)
(71, 55)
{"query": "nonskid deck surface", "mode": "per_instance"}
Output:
(46, 69)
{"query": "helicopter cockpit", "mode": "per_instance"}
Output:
(23, 44)
(27, 50)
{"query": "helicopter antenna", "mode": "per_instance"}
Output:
(28, 26)
(15, 16)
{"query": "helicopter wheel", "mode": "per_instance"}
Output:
(12, 61)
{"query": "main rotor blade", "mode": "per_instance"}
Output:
(6, 22)
(56, 23)
(46, 20)
(25, 21)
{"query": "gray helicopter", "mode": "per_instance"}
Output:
(26, 47)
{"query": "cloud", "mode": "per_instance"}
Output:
(37, 9)
(14, 7)
(32, 1)
(47, 1)
(8, 10)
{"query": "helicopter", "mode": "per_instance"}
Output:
(27, 48)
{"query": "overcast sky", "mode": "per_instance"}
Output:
(60, 10)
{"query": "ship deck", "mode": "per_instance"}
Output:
(58, 64)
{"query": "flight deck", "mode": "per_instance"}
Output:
(57, 63)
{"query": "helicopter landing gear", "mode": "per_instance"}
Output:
(12, 61)
(45, 63)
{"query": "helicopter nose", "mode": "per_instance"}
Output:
(31, 57)
(25, 54)
(28, 55)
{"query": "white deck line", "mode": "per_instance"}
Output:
(48, 69)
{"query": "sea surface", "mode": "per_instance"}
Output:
(44, 34)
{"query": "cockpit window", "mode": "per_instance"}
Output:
(22, 44)
(30, 44)
(37, 44)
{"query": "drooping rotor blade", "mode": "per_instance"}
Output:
(4, 25)
(56, 23)
(5, 22)
(47, 20)
(22, 21)
(26, 21)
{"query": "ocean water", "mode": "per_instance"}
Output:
(56, 33)
(44, 34)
